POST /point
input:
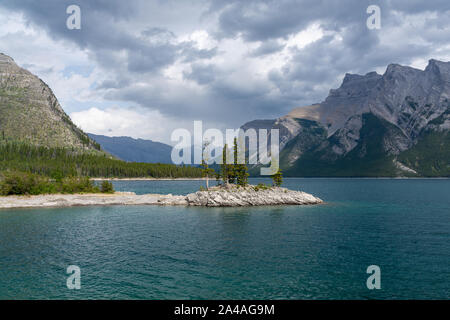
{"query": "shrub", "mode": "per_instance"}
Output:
(22, 183)
(261, 186)
(107, 187)
(78, 185)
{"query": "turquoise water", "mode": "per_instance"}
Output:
(288, 252)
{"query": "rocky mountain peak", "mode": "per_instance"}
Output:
(439, 64)
(30, 112)
(439, 69)
(350, 77)
(404, 96)
(398, 72)
(355, 79)
(5, 59)
(368, 117)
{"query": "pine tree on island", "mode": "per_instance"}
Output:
(232, 166)
(277, 178)
(240, 169)
(224, 166)
(206, 170)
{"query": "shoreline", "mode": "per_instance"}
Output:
(268, 177)
(214, 197)
(78, 200)
(148, 179)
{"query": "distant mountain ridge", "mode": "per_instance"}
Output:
(30, 112)
(135, 150)
(393, 124)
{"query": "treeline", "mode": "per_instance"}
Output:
(63, 162)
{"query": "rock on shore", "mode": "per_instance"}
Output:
(214, 197)
(250, 196)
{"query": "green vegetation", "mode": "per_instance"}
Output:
(235, 172)
(431, 155)
(22, 183)
(106, 187)
(18, 183)
(207, 172)
(240, 169)
(63, 162)
(35, 116)
(225, 168)
(261, 186)
(277, 178)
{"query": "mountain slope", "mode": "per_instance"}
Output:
(366, 159)
(394, 124)
(136, 150)
(431, 154)
(30, 112)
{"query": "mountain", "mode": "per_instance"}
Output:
(37, 136)
(136, 150)
(30, 112)
(395, 124)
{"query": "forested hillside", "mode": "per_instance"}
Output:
(62, 162)
(37, 136)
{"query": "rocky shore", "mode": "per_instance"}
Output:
(249, 196)
(214, 197)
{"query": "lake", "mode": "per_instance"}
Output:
(285, 252)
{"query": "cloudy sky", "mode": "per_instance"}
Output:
(143, 68)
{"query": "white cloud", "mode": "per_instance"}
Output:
(305, 37)
(131, 122)
(117, 121)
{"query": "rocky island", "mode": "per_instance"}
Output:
(230, 196)
(233, 196)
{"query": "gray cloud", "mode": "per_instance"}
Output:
(202, 74)
(263, 20)
(268, 47)
(135, 42)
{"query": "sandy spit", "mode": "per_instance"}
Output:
(70, 200)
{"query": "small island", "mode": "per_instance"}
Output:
(235, 196)
(218, 196)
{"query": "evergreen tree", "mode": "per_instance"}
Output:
(277, 178)
(232, 167)
(67, 162)
(242, 177)
(224, 166)
(218, 177)
(107, 187)
(240, 169)
(206, 170)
